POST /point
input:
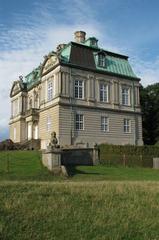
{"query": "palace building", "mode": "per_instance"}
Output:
(84, 93)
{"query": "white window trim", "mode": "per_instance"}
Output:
(50, 90)
(79, 129)
(128, 96)
(127, 125)
(104, 85)
(29, 131)
(15, 107)
(78, 87)
(101, 60)
(106, 123)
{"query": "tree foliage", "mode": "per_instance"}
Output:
(149, 99)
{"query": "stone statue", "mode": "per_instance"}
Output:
(53, 140)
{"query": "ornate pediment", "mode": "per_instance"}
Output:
(17, 87)
(50, 61)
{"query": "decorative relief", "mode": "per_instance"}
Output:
(51, 61)
(15, 89)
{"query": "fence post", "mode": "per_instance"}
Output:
(124, 160)
(141, 159)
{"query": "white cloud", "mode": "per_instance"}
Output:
(31, 44)
(148, 71)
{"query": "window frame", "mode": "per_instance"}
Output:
(49, 90)
(127, 125)
(125, 96)
(104, 124)
(79, 89)
(104, 92)
(15, 106)
(79, 122)
(101, 60)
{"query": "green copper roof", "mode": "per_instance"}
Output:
(33, 77)
(116, 65)
(91, 42)
(65, 53)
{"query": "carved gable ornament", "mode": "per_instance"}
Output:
(16, 88)
(50, 62)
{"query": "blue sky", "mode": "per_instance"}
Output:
(29, 29)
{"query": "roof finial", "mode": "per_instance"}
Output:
(21, 78)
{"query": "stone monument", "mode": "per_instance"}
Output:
(53, 141)
(51, 157)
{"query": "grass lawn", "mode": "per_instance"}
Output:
(96, 202)
(23, 165)
(104, 173)
(26, 165)
(79, 210)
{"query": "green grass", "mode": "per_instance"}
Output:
(79, 210)
(95, 203)
(23, 165)
(26, 165)
(102, 173)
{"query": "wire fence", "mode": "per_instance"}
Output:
(127, 160)
(28, 163)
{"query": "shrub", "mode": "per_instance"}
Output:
(128, 155)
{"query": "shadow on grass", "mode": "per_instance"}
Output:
(72, 171)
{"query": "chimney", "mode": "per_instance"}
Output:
(80, 36)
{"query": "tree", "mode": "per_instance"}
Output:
(149, 98)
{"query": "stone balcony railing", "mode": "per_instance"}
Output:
(32, 112)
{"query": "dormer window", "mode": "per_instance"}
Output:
(94, 42)
(101, 60)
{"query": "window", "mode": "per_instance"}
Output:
(104, 124)
(50, 91)
(15, 107)
(93, 42)
(103, 92)
(29, 131)
(79, 122)
(125, 96)
(101, 60)
(36, 101)
(79, 89)
(36, 132)
(127, 125)
(48, 123)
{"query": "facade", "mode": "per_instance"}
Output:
(87, 95)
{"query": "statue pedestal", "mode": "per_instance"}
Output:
(51, 159)
(57, 160)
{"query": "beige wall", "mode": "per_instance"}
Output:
(61, 109)
(92, 127)
(44, 132)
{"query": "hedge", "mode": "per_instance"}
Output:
(128, 155)
(130, 149)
